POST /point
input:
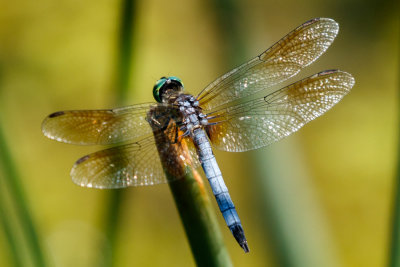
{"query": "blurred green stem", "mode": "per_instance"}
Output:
(229, 19)
(123, 70)
(9, 233)
(13, 185)
(125, 48)
(297, 227)
(394, 257)
(291, 234)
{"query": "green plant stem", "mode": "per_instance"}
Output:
(191, 199)
(112, 216)
(282, 200)
(229, 18)
(125, 50)
(394, 256)
(298, 238)
(123, 69)
(13, 185)
(199, 221)
(8, 232)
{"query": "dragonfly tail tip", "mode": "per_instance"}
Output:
(238, 233)
(245, 246)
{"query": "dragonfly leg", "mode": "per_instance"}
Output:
(154, 122)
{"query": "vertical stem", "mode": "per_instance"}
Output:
(228, 16)
(10, 236)
(112, 218)
(123, 69)
(125, 48)
(191, 199)
(394, 257)
(199, 221)
(13, 184)
(292, 246)
(298, 238)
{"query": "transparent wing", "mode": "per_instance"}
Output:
(260, 122)
(136, 164)
(283, 60)
(92, 127)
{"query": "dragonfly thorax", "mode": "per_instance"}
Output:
(192, 116)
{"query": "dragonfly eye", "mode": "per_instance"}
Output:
(164, 84)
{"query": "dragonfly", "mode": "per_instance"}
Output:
(181, 129)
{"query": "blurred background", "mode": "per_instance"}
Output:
(322, 197)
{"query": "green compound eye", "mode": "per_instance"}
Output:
(156, 89)
(166, 83)
(176, 79)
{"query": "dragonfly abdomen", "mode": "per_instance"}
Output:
(219, 189)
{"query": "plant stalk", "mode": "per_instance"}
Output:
(13, 184)
(394, 254)
(192, 201)
(123, 69)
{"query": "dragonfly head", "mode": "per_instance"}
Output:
(167, 86)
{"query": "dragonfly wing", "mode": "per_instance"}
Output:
(95, 127)
(283, 60)
(136, 164)
(260, 122)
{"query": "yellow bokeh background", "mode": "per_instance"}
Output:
(61, 55)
